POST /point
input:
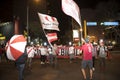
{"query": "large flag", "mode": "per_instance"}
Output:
(51, 37)
(48, 22)
(70, 8)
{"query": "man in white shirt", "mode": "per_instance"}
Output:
(30, 52)
(71, 53)
(44, 53)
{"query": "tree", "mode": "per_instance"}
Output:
(107, 11)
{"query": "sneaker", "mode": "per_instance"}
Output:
(93, 69)
(41, 62)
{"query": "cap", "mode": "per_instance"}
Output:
(87, 40)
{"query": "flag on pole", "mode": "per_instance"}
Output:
(70, 8)
(48, 22)
(51, 37)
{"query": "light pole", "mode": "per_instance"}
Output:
(28, 37)
(27, 23)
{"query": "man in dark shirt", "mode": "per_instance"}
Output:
(20, 63)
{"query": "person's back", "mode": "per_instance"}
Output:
(20, 63)
(30, 51)
(71, 50)
(22, 59)
(87, 58)
(43, 51)
(87, 51)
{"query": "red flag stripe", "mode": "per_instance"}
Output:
(52, 37)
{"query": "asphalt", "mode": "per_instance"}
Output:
(62, 71)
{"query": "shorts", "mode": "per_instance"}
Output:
(86, 63)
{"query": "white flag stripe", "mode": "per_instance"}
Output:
(70, 8)
(52, 37)
(48, 22)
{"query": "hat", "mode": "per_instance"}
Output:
(87, 40)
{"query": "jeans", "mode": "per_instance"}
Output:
(102, 62)
(20, 68)
(53, 60)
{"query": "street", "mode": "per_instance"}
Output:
(63, 70)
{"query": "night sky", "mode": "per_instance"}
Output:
(6, 6)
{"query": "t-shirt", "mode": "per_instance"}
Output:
(30, 52)
(102, 51)
(71, 50)
(87, 51)
(43, 51)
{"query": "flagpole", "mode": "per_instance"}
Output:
(48, 40)
(81, 30)
(45, 35)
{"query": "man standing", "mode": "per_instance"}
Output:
(102, 53)
(71, 53)
(94, 55)
(87, 58)
(30, 52)
(44, 53)
(20, 63)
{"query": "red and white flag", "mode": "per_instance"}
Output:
(48, 22)
(70, 8)
(51, 37)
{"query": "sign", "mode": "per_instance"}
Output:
(2, 38)
(91, 24)
(110, 23)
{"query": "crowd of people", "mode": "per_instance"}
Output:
(49, 54)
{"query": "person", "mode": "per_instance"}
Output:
(94, 54)
(71, 53)
(87, 58)
(51, 56)
(44, 53)
(30, 52)
(102, 53)
(52, 50)
(1, 52)
(55, 53)
(20, 64)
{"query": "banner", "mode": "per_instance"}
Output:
(48, 22)
(70, 8)
(51, 37)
